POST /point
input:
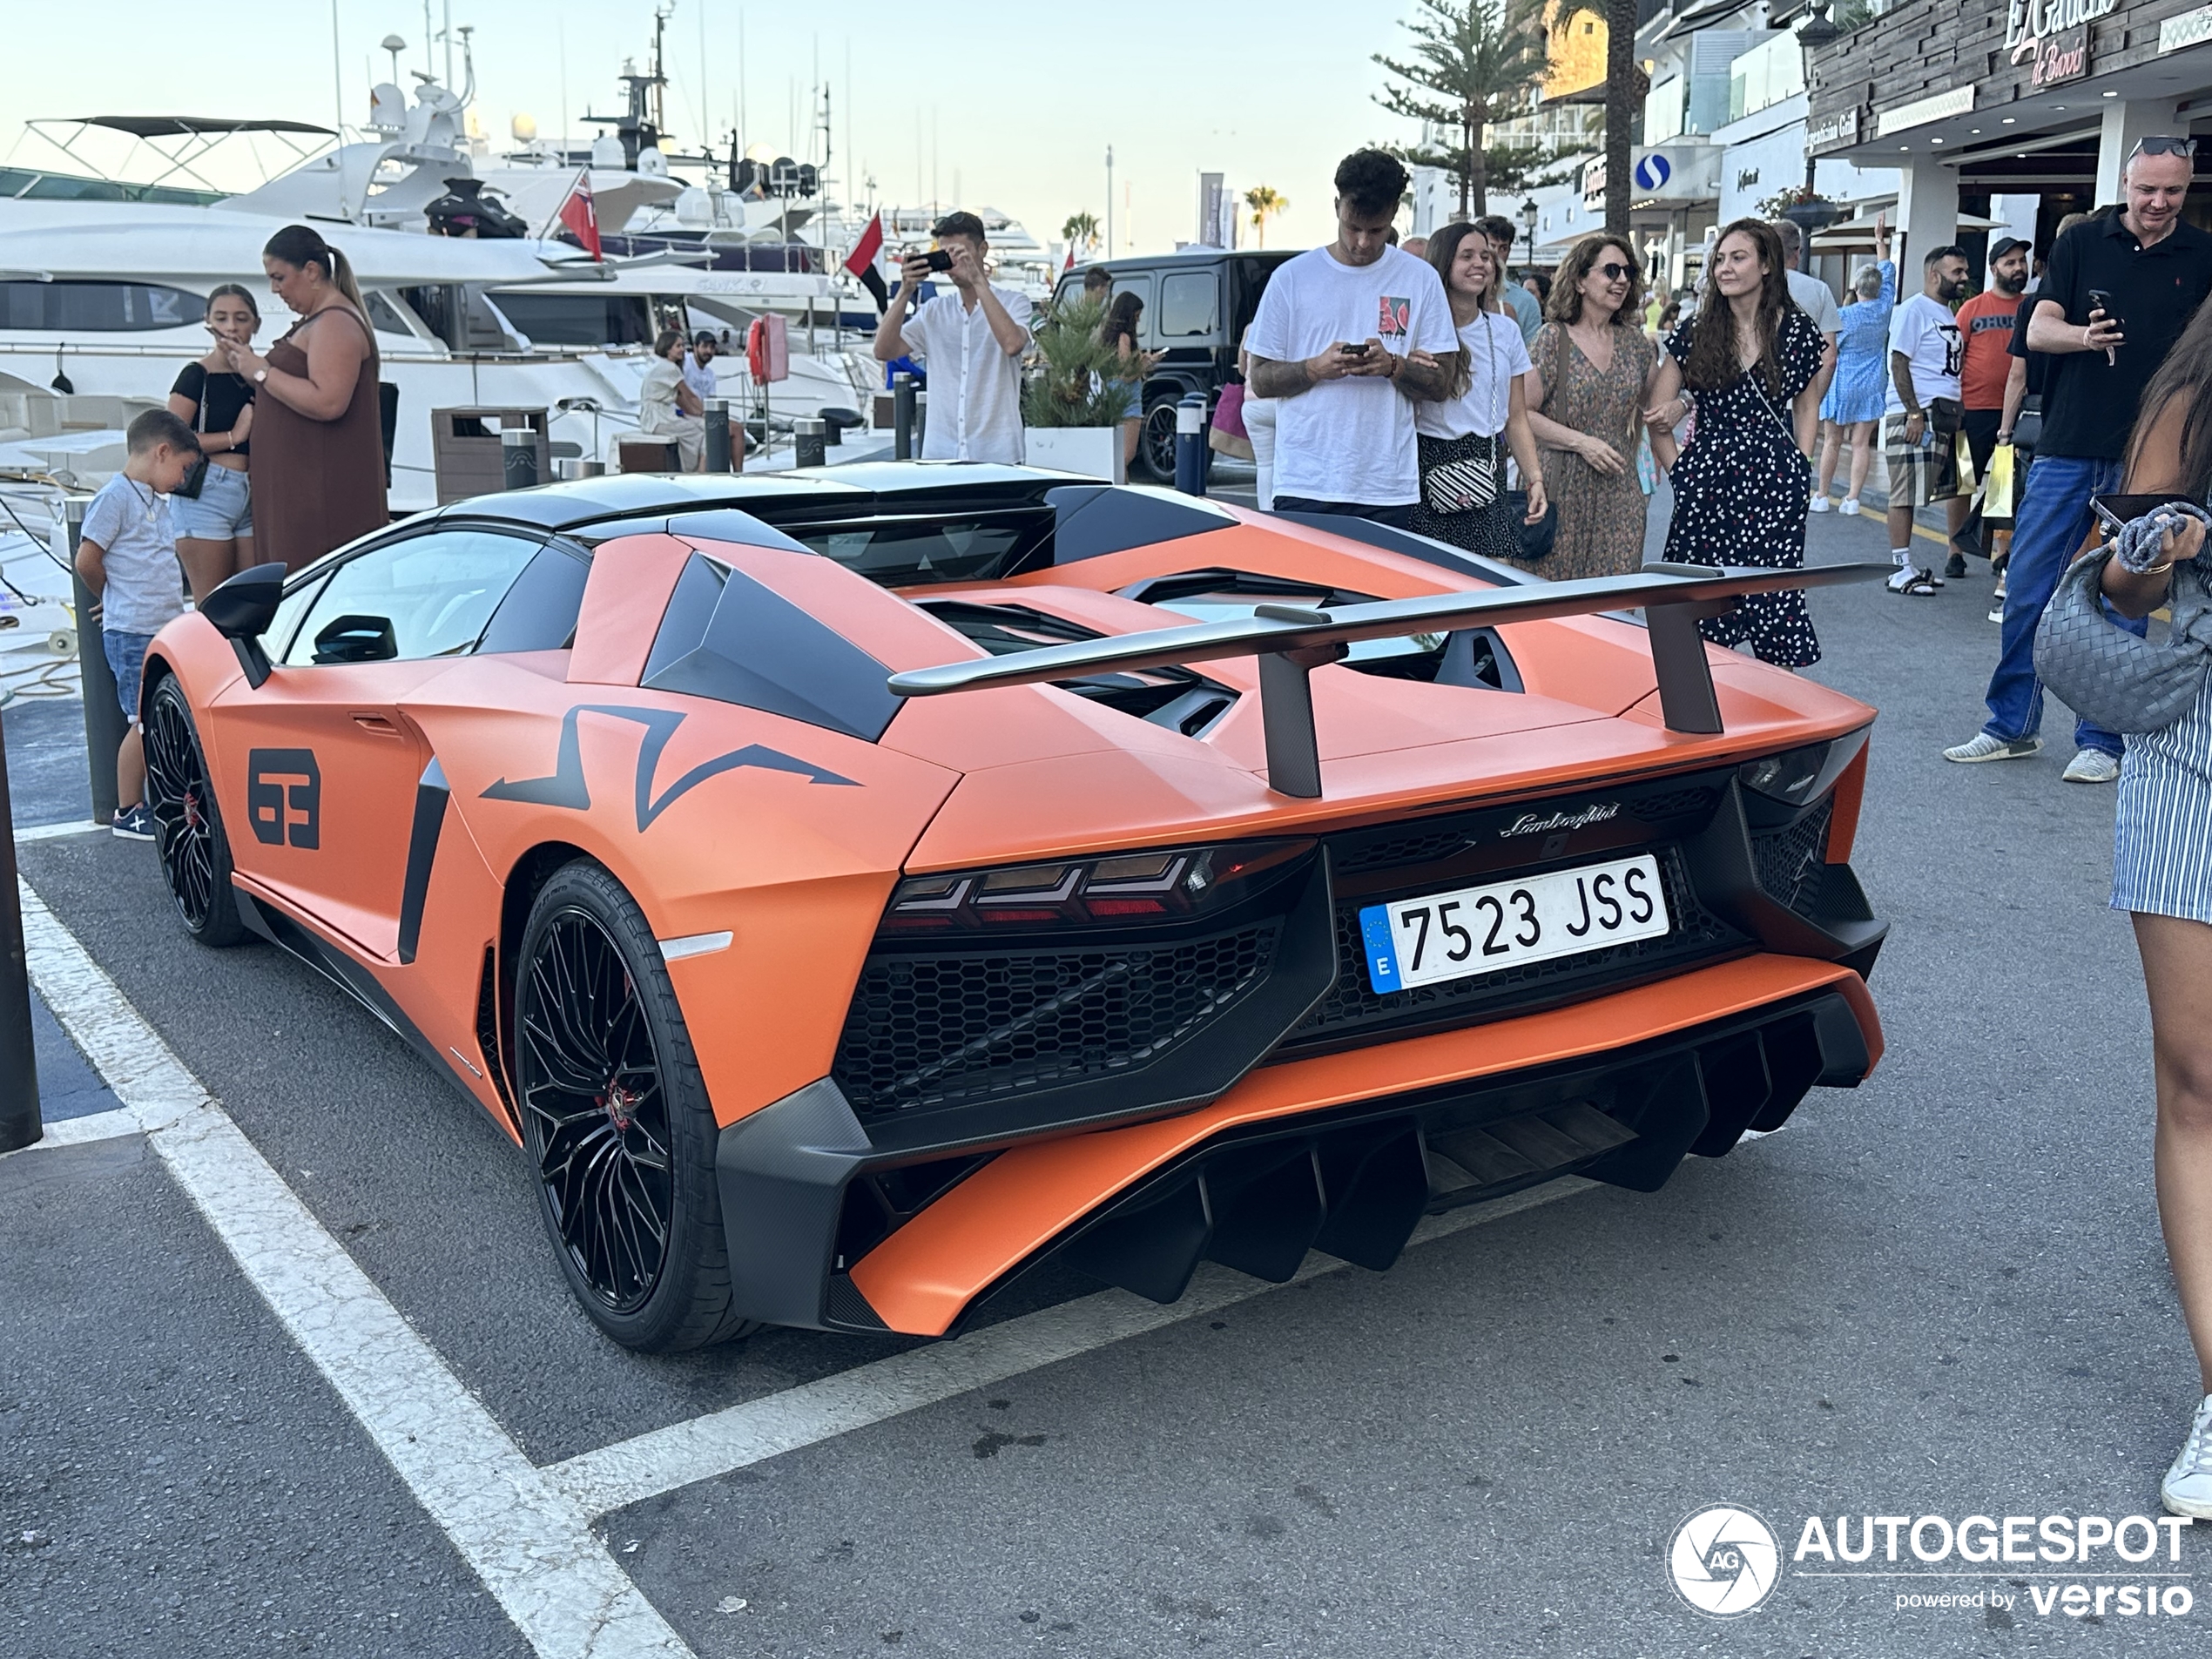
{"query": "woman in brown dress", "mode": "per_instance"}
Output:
(1593, 369)
(318, 438)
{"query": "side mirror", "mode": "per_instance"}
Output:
(243, 607)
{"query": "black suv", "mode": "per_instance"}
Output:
(1197, 307)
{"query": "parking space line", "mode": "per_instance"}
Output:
(57, 831)
(529, 1540)
(665, 1458)
(82, 1131)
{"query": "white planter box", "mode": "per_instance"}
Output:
(1089, 451)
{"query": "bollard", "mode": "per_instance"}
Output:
(922, 422)
(518, 458)
(717, 434)
(103, 721)
(569, 469)
(19, 1125)
(902, 417)
(1191, 444)
(808, 443)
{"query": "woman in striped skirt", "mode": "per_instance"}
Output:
(2162, 870)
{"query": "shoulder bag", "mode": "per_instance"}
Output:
(2106, 674)
(1466, 486)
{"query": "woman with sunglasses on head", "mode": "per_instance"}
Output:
(1463, 484)
(215, 527)
(1592, 378)
(1749, 358)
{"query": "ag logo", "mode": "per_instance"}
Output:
(284, 797)
(1724, 1561)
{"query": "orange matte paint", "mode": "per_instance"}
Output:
(921, 1277)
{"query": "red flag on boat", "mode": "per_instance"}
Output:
(581, 216)
(861, 263)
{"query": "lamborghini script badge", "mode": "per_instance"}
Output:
(1535, 824)
(566, 786)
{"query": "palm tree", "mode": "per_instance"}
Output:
(1081, 231)
(1472, 59)
(1265, 204)
(1625, 86)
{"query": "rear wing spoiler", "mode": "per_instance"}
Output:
(1291, 643)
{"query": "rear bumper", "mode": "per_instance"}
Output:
(1343, 1152)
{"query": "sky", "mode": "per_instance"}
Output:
(1012, 106)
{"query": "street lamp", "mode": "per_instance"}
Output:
(1813, 214)
(1528, 227)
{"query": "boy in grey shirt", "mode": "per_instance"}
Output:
(128, 557)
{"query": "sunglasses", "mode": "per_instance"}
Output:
(2163, 147)
(1612, 270)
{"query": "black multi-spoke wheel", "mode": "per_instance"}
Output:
(187, 828)
(615, 1118)
(1156, 441)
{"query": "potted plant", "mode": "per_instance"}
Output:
(1802, 207)
(1072, 401)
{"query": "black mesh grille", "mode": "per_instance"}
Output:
(1351, 1009)
(1792, 861)
(945, 1031)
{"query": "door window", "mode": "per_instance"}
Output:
(429, 596)
(1140, 284)
(1189, 305)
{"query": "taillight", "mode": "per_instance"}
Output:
(1118, 887)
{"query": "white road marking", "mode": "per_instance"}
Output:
(56, 831)
(82, 1131)
(526, 1538)
(665, 1458)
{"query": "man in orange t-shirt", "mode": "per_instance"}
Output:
(1986, 323)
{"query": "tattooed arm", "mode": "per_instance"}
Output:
(1268, 378)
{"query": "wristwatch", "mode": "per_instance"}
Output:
(260, 377)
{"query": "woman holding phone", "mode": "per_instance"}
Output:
(215, 527)
(1463, 486)
(1750, 357)
(2162, 860)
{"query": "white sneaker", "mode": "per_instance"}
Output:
(2187, 1489)
(2094, 767)
(1817, 504)
(1982, 746)
(1848, 507)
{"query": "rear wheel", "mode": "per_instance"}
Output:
(188, 835)
(616, 1119)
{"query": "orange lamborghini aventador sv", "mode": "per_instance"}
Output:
(851, 888)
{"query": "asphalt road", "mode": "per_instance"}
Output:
(1943, 1293)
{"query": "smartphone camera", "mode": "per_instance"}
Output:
(938, 259)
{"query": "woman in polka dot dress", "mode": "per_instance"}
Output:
(1749, 358)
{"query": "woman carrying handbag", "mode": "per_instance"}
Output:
(1464, 499)
(2159, 695)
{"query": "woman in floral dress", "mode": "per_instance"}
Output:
(1594, 377)
(1748, 357)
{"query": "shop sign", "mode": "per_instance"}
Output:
(2190, 29)
(2062, 57)
(1593, 182)
(1936, 106)
(1839, 128)
(2029, 22)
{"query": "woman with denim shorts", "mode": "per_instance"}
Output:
(215, 528)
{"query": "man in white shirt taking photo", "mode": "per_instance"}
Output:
(970, 342)
(1333, 341)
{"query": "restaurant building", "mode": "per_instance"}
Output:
(2015, 111)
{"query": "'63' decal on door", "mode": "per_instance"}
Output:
(284, 797)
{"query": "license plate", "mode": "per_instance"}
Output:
(1478, 930)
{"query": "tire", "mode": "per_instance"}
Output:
(188, 834)
(615, 1120)
(1156, 441)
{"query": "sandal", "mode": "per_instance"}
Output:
(1923, 584)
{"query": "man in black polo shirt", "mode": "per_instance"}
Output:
(2157, 271)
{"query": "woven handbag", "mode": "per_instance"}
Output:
(2107, 674)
